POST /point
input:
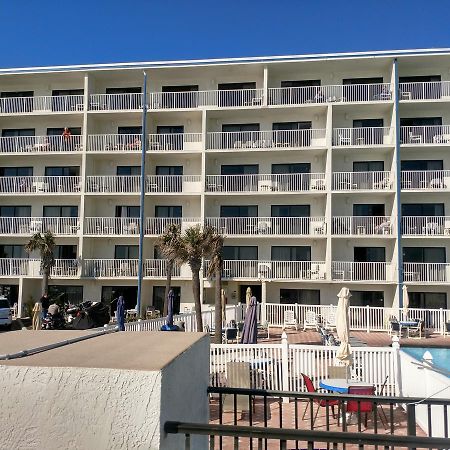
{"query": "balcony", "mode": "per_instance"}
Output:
(40, 185)
(363, 181)
(425, 180)
(429, 134)
(110, 226)
(426, 272)
(269, 226)
(259, 140)
(31, 267)
(66, 268)
(155, 226)
(188, 142)
(115, 102)
(273, 270)
(362, 137)
(117, 184)
(355, 93)
(431, 90)
(361, 271)
(270, 183)
(173, 184)
(42, 105)
(426, 226)
(40, 144)
(157, 268)
(362, 226)
(60, 226)
(99, 143)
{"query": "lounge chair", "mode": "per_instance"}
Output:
(290, 320)
(310, 321)
(330, 321)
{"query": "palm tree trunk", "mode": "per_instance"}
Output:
(45, 277)
(196, 292)
(218, 307)
(169, 267)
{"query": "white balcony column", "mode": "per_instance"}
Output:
(265, 85)
(20, 298)
(329, 185)
(263, 300)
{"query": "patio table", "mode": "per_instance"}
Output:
(340, 385)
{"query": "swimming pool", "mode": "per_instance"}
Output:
(441, 356)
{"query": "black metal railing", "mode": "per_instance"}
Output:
(242, 436)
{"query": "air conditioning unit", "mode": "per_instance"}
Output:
(265, 270)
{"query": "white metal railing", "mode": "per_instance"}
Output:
(295, 182)
(110, 268)
(175, 141)
(114, 142)
(113, 183)
(217, 98)
(429, 134)
(157, 268)
(17, 267)
(328, 94)
(40, 144)
(361, 271)
(281, 139)
(29, 225)
(112, 226)
(276, 226)
(115, 102)
(426, 225)
(65, 268)
(355, 181)
(158, 225)
(429, 90)
(294, 270)
(426, 272)
(174, 183)
(362, 225)
(40, 184)
(425, 179)
(360, 137)
(56, 103)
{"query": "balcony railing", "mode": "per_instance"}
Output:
(286, 270)
(43, 104)
(361, 137)
(280, 139)
(28, 225)
(66, 268)
(190, 184)
(40, 144)
(18, 267)
(430, 90)
(426, 272)
(269, 226)
(40, 185)
(361, 271)
(426, 226)
(296, 182)
(113, 184)
(111, 268)
(429, 134)
(362, 225)
(158, 225)
(429, 180)
(102, 226)
(157, 268)
(330, 94)
(115, 102)
(175, 142)
(114, 143)
(356, 181)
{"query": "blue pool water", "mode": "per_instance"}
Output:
(441, 356)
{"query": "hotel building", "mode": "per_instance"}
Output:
(320, 170)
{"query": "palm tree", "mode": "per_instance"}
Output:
(45, 244)
(169, 246)
(215, 247)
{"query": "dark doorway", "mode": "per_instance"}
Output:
(256, 291)
(110, 295)
(158, 298)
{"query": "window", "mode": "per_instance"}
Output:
(127, 211)
(59, 92)
(239, 211)
(232, 98)
(427, 300)
(126, 252)
(110, 295)
(422, 165)
(66, 104)
(69, 171)
(364, 123)
(169, 211)
(288, 253)
(123, 98)
(76, 131)
(291, 211)
(416, 91)
(12, 251)
(17, 94)
(236, 86)
(15, 211)
(128, 170)
(240, 127)
(294, 96)
(242, 169)
(16, 171)
(368, 209)
(169, 170)
(172, 180)
(285, 134)
(291, 168)
(368, 298)
(234, 252)
(16, 132)
(169, 129)
(185, 97)
(300, 83)
(25, 105)
(370, 80)
(357, 94)
(423, 209)
(67, 294)
(60, 211)
(420, 121)
(182, 88)
(158, 298)
(123, 90)
(11, 292)
(129, 130)
(301, 296)
(368, 166)
(424, 255)
(369, 254)
(360, 135)
(65, 252)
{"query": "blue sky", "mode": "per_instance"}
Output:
(51, 32)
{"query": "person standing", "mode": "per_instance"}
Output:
(37, 316)
(45, 302)
(66, 133)
(120, 313)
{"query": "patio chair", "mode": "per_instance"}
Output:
(230, 334)
(415, 138)
(381, 412)
(338, 372)
(290, 320)
(330, 321)
(447, 329)
(416, 331)
(310, 321)
(344, 139)
(361, 406)
(238, 376)
(320, 403)
(394, 327)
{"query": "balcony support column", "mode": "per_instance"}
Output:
(265, 85)
(263, 300)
